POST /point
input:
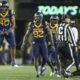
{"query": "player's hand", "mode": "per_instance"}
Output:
(22, 46)
(52, 48)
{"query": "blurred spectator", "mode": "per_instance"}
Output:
(75, 30)
(4, 52)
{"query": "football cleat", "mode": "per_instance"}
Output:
(42, 71)
(15, 66)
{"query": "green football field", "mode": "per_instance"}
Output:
(26, 73)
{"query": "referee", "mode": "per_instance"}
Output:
(67, 45)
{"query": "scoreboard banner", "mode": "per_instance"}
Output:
(25, 10)
(58, 10)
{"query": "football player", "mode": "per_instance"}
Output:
(7, 23)
(53, 25)
(38, 29)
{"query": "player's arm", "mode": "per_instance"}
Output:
(12, 22)
(70, 32)
(49, 33)
(25, 38)
(12, 19)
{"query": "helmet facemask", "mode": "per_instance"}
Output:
(4, 9)
(38, 18)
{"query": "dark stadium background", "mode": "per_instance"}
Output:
(26, 9)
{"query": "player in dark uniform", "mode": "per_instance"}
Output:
(54, 54)
(7, 23)
(39, 45)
